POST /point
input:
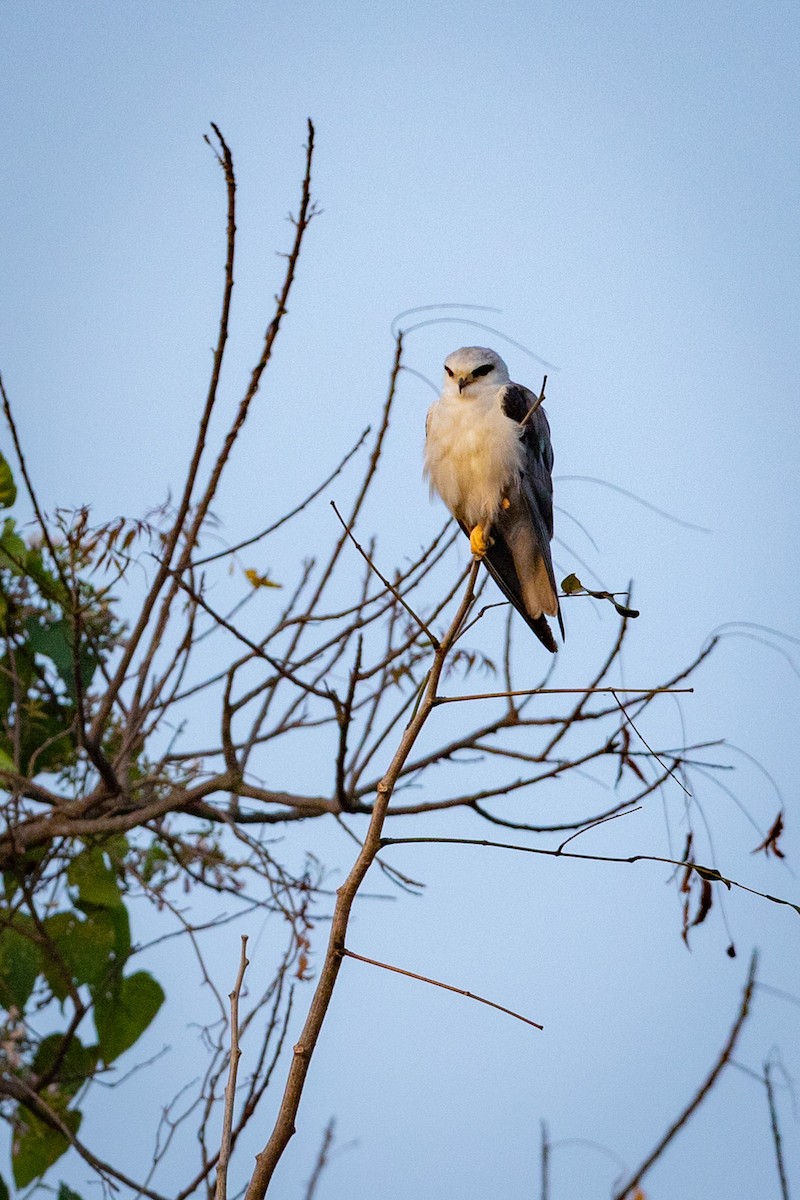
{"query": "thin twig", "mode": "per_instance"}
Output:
(599, 821)
(709, 873)
(230, 1087)
(366, 483)
(700, 1095)
(29, 484)
(201, 562)
(322, 1158)
(632, 496)
(390, 587)
(17, 1089)
(330, 566)
(134, 639)
(345, 717)
(776, 1133)
(276, 665)
(373, 962)
(536, 404)
(645, 743)
(548, 691)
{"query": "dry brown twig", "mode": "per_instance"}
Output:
(449, 987)
(230, 1089)
(626, 1191)
(322, 1158)
(775, 1130)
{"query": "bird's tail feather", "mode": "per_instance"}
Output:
(500, 565)
(543, 632)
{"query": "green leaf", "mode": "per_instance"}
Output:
(6, 761)
(3, 1189)
(53, 639)
(95, 880)
(22, 865)
(48, 584)
(36, 1146)
(73, 1066)
(92, 950)
(65, 1193)
(56, 967)
(155, 858)
(8, 489)
(122, 1013)
(571, 586)
(120, 923)
(20, 964)
(116, 847)
(13, 551)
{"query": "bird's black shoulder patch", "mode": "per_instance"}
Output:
(515, 402)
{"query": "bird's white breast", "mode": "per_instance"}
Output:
(473, 454)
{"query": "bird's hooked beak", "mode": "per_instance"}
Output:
(462, 383)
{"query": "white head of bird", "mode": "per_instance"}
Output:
(473, 370)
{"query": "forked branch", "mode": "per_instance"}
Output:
(268, 1159)
(703, 1090)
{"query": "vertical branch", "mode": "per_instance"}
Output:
(71, 605)
(328, 570)
(699, 1097)
(28, 483)
(322, 1158)
(83, 738)
(191, 532)
(225, 160)
(230, 1087)
(372, 467)
(301, 223)
(776, 1133)
(545, 1161)
(345, 717)
(373, 463)
(284, 1128)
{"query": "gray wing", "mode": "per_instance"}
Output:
(537, 471)
(529, 520)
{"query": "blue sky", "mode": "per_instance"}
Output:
(622, 181)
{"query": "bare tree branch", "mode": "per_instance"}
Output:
(702, 1092)
(268, 1159)
(230, 1088)
(775, 1129)
(373, 962)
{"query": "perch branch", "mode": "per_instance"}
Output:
(268, 1159)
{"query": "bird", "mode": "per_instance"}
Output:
(488, 456)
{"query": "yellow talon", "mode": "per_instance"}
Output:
(477, 542)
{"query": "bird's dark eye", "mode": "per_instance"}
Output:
(449, 372)
(484, 370)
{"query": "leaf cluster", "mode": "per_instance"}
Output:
(66, 968)
(63, 959)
